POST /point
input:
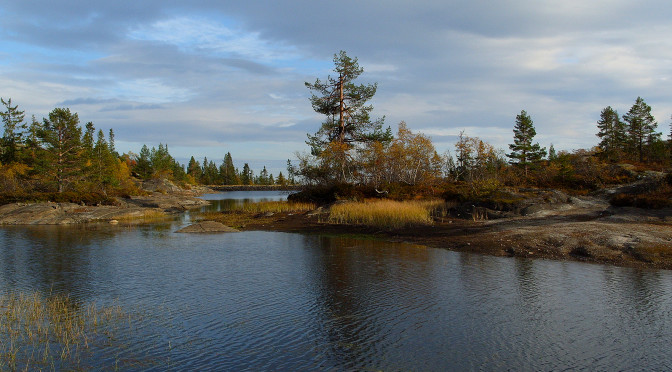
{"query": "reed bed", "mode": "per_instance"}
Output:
(52, 333)
(275, 207)
(148, 215)
(387, 214)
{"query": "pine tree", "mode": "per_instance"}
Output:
(11, 140)
(246, 176)
(194, 170)
(104, 163)
(281, 180)
(523, 152)
(162, 163)
(612, 134)
(228, 171)
(143, 162)
(110, 143)
(552, 155)
(62, 136)
(348, 120)
(641, 128)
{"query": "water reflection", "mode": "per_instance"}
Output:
(274, 301)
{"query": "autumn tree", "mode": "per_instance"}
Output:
(478, 163)
(12, 119)
(641, 128)
(61, 135)
(348, 120)
(412, 158)
(523, 151)
(611, 133)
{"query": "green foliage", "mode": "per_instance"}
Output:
(14, 126)
(246, 177)
(62, 135)
(612, 134)
(348, 120)
(523, 151)
(227, 171)
(143, 167)
(641, 129)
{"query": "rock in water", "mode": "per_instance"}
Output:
(207, 227)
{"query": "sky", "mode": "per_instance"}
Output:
(209, 77)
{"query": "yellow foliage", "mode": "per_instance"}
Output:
(10, 176)
(387, 214)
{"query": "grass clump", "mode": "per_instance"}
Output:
(52, 333)
(387, 214)
(275, 207)
(239, 216)
(147, 215)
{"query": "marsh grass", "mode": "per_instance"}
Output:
(53, 333)
(240, 216)
(388, 214)
(145, 216)
(275, 207)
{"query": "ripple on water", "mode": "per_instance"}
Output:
(272, 301)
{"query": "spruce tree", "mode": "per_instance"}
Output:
(246, 176)
(641, 128)
(523, 151)
(228, 171)
(611, 133)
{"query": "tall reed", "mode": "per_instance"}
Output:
(387, 214)
(275, 207)
(51, 333)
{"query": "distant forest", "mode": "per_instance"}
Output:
(58, 155)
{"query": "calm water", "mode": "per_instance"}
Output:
(277, 301)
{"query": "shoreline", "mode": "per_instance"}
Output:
(589, 232)
(585, 229)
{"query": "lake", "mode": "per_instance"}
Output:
(279, 301)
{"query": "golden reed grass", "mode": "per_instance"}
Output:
(50, 333)
(387, 214)
(276, 207)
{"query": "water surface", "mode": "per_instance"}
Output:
(278, 301)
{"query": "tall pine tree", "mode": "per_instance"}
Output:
(523, 151)
(348, 116)
(61, 135)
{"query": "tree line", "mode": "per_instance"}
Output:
(58, 155)
(352, 148)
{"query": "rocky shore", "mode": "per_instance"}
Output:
(163, 198)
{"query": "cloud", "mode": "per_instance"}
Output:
(211, 74)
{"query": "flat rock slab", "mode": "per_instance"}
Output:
(207, 227)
